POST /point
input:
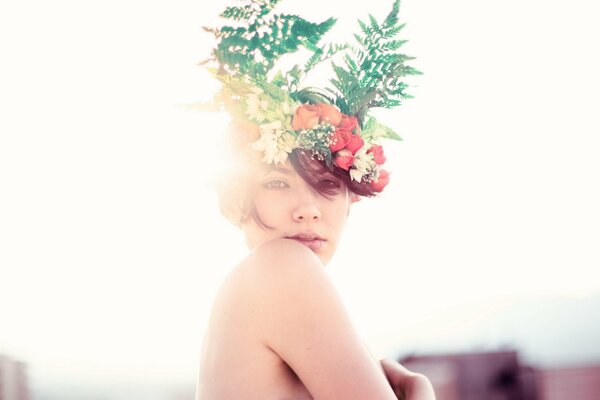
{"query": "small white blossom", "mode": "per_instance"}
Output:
(255, 105)
(356, 174)
(252, 105)
(274, 142)
(285, 107)
(363, 164)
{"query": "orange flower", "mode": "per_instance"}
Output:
(329, 113)
(379, 184)
(305, 117)
(308, 115)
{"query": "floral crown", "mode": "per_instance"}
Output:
(279, 114)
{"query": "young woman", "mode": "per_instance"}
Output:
(278, 329)
(300, 157)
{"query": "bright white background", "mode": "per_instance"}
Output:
(112, 246)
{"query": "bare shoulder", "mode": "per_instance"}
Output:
(290, 282)
(274, 266)
(283, 251)
(300, 316)
(279, 272)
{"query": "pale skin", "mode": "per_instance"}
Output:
(278, 329)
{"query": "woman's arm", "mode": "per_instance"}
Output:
(303, 320)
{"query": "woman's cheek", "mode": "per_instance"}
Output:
(269, 206)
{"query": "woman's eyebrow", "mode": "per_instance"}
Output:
(284, 171)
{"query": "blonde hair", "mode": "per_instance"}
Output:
(236, 174)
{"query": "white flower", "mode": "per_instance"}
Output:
(356, 174)
(271, 127)
(255, 106)
(363, 163)
(283, 111)
(285, 108)
(274, 142)
(379, 132)
(286, 141)
(252, 105)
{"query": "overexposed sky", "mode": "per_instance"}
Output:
(111, 244)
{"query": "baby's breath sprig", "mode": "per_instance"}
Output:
(317, 139)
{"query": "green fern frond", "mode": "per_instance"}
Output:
(375, 26)
(351, 64)
(372, 77)
(262, 37)
(324, 54)
(312, 96)
(364, 28)
(393, 45)
(394, 31)
(392, 17)
(373, 131)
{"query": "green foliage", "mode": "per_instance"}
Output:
(373, 131)
(372, 77)
(312, 95)
(273, 91)
(369, 75)
(322, 54)
(262, 37)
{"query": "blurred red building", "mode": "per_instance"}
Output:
(13, 380)
(581, 383)
(500, 376)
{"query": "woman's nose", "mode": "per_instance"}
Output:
(306, 209)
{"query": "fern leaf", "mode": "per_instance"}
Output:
(364, 28)
(375, 26)
(392, 18)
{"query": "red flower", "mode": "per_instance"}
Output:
(344, 159)
(348, 123)
(355, 143)
(339, 139)
(377, 153)
(379, 184)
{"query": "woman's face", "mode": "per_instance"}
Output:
(285, 202)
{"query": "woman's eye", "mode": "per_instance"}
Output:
(277, 184)
(330, 183)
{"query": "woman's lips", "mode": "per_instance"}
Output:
(313, 244)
